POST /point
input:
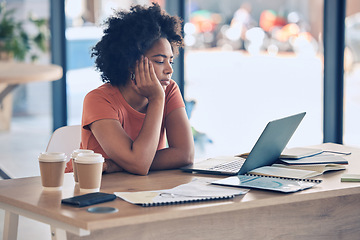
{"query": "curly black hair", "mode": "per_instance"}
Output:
(128, 35)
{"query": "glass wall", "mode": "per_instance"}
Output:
(352, 74)
(249, 62)
(246, 63)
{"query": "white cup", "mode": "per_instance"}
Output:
(73, 156)
(52, 167)
(89, 170)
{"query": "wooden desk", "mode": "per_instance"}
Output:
(331, 210)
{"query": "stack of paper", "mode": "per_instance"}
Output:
(196, 190)
(280, 171)
(303, 163)
(299, 152)
(319, 163)
(318, 159)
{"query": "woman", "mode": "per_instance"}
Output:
(137, 118)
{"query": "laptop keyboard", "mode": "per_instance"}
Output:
(232, 166)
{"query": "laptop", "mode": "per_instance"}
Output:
(265, 152)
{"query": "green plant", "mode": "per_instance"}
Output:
(15, 41)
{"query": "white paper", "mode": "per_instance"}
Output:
(198, 189)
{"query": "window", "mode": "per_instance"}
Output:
(249, 62)
(352, 74)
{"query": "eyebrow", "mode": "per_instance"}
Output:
(162, 55)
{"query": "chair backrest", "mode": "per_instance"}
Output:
(65, 139)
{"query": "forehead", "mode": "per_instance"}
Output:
(160, 47)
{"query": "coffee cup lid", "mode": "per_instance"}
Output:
(52, 157)
(77, 151)
(88, 158)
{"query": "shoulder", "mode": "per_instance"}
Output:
(105, 91)
(172, 85)
(173, 98)
(173, 88)
(101, 103)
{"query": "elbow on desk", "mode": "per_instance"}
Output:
(136, 166)
(140, 166)
(141, 172)
(184, 159)
(188, 157)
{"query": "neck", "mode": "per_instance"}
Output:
(135, 100)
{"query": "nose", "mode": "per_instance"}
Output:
(168, 68)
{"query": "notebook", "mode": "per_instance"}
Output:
(315, 160)
(299, 152)
(195, 191)
(279, 184)
(265, 152)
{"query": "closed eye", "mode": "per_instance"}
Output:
(161, 58)
(161, 62)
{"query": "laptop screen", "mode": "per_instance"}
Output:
(272, 142)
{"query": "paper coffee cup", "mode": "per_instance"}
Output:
(73, 156)
(89, 170)
(52, 167)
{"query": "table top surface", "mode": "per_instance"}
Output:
(18, 72)
(27, 194)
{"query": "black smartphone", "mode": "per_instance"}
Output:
(89, 199)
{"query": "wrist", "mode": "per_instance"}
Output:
(158, 98)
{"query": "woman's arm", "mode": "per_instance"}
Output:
(135, 156)
(181, 144)
(180, 140)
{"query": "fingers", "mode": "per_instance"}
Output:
(146, 82)
(146, 69)
(152, 72)
(142, 72)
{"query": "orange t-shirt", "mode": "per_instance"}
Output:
(107, 102)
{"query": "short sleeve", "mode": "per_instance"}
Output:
(97, 105)
(173, 98)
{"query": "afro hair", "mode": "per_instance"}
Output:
(128, 35)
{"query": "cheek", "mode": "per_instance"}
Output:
(157, 71)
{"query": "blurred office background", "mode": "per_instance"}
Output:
(245, 62)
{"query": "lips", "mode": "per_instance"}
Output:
(165, 82)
